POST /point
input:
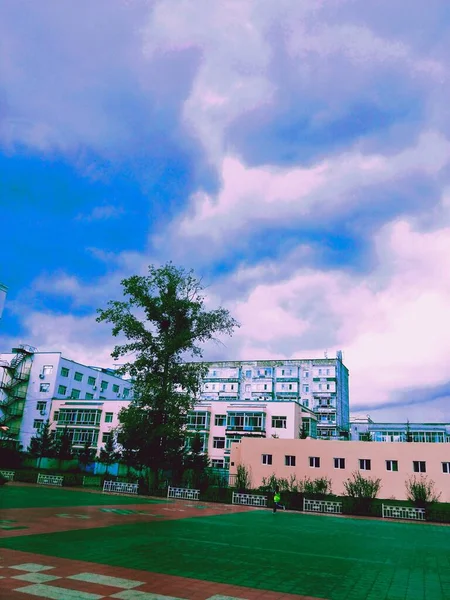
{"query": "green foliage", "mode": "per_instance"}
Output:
(108, 454)
(196, 465)
(358, 486)
(243, 478)
(10, 456)
(86, 455)
(44, 444)
(365, 437)
(63, 446)
(421, 491)
(3, 480)
(164, 321)
(319, 487)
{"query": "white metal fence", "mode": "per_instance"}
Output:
(403, 512)
(9, 475)
(183, 493)
(50, 479)
(120, 487)
(322, 506)
(249, 499)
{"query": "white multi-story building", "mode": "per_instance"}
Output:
(3, 290)
(31, 380)
(320, 385)
(363, 427)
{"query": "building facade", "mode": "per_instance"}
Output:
(320, 385)
(30, 381)
(3, 290)
(363, 427)
(394, 463)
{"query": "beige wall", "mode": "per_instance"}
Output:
(249, 452)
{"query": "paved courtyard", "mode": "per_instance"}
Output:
(65, 544)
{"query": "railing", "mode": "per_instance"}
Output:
(322, 506)
(9, 475)
(403, 512)
(120, 487)
(246, 428)
(249, 500)
(50, 479)
(183, 493)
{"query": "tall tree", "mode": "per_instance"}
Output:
(86, 455)
(43, 445)
(165, 322)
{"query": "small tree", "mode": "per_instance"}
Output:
(108, 454)
(362, 491)
(63, 446)
(86, 455)
(43, 445)
(197, 462)
(421, 491)
(317, 488)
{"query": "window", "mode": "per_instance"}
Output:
(197, 420)
(265, 386)
(126, 392)
(279, 422)
(218, 442)
(38, 424)
(365, 464)
(44, 387)
(392, 465)
(79, 416)
(105, 437)
(64, 372)
(306, 374)
(248, 387)
(223, 387)
(328, 386)
(419, 466)
(289, 461)
(89, 396)
(217, 463)
(78, 376)
(446, 467)
(320, 386)
(56, 415)
(248, 373)
(104, 385)
(220, 420)
(339, 463)
(91, 380)
(41, 406)
(266, 459)
(47, 369)
(232, 387)
(314, 462)
(320, 371)
(75, 393)
(108, 417)
(116, 388)
(306, 389)
(290, 386)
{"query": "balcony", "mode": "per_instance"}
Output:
(325, 408)
(326, 423)
(245, 429)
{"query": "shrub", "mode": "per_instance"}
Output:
(361, 491)
(243, 478)
(3, 480)
(421, 491)
(318, 488)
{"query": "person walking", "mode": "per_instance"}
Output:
(277, 500)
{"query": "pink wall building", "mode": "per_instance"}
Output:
(393, 463)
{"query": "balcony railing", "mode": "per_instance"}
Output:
(246, 428)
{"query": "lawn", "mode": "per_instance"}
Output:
(38, 497)
(321, 556)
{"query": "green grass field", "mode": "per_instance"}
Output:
(39, 497)
(321, 556)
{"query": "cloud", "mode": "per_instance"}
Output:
(102, 213)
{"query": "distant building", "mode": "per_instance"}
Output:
(361, 427)
(321, 385)
(31, 380)
(3, 290)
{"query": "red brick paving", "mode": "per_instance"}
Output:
(156, 583)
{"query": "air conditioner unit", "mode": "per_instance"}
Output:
(94, 387)
(41, 376)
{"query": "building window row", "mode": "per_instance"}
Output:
(365, 464)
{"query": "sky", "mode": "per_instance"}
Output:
(295, 154)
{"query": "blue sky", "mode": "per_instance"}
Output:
(296, 154)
